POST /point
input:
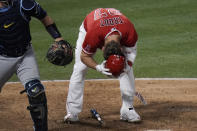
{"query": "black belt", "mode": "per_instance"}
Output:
(16, 52)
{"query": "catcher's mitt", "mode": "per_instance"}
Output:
(60, 53)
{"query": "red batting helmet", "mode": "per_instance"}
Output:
(115, 64)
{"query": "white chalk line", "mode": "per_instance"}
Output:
(45, 81)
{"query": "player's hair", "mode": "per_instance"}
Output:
(112, 48)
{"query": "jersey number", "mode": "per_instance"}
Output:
(99, 13)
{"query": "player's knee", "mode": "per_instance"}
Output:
(38, 104)
(80, 68)
(34, 88)
(127, 91)
(36, 93)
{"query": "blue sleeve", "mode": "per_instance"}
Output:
(32, 8)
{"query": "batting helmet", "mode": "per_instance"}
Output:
(115, 64)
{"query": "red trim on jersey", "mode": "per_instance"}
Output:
(114, 31)
(87, 52)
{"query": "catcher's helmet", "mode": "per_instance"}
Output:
(115, 64)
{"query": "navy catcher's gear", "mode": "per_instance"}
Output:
(38, 104)
(34, 88)
(14, 27)
(53, 31)
(28, 4)
(31, 8)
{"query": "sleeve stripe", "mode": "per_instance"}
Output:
(89, 53)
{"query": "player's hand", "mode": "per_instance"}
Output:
(101, 68)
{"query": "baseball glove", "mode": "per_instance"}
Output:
(60, 53)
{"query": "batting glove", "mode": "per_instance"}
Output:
(101, 68)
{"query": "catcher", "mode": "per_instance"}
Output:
(17, 54)
(107, 29)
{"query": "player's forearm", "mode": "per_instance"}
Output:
(88, 60)
(47, 21)
(51, 28)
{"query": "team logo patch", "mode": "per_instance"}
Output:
(35, 90)
(87, 48)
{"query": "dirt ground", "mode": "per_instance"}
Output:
(172, 106)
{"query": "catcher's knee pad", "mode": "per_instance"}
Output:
(38, 104)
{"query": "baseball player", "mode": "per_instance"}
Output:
(106, 29)
(17, 55)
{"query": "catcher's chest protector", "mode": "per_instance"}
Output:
(14, 29)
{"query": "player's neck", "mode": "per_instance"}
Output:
(116, 38)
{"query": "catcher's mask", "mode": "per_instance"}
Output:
(115, 64)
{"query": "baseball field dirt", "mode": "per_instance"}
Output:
(171, 106)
